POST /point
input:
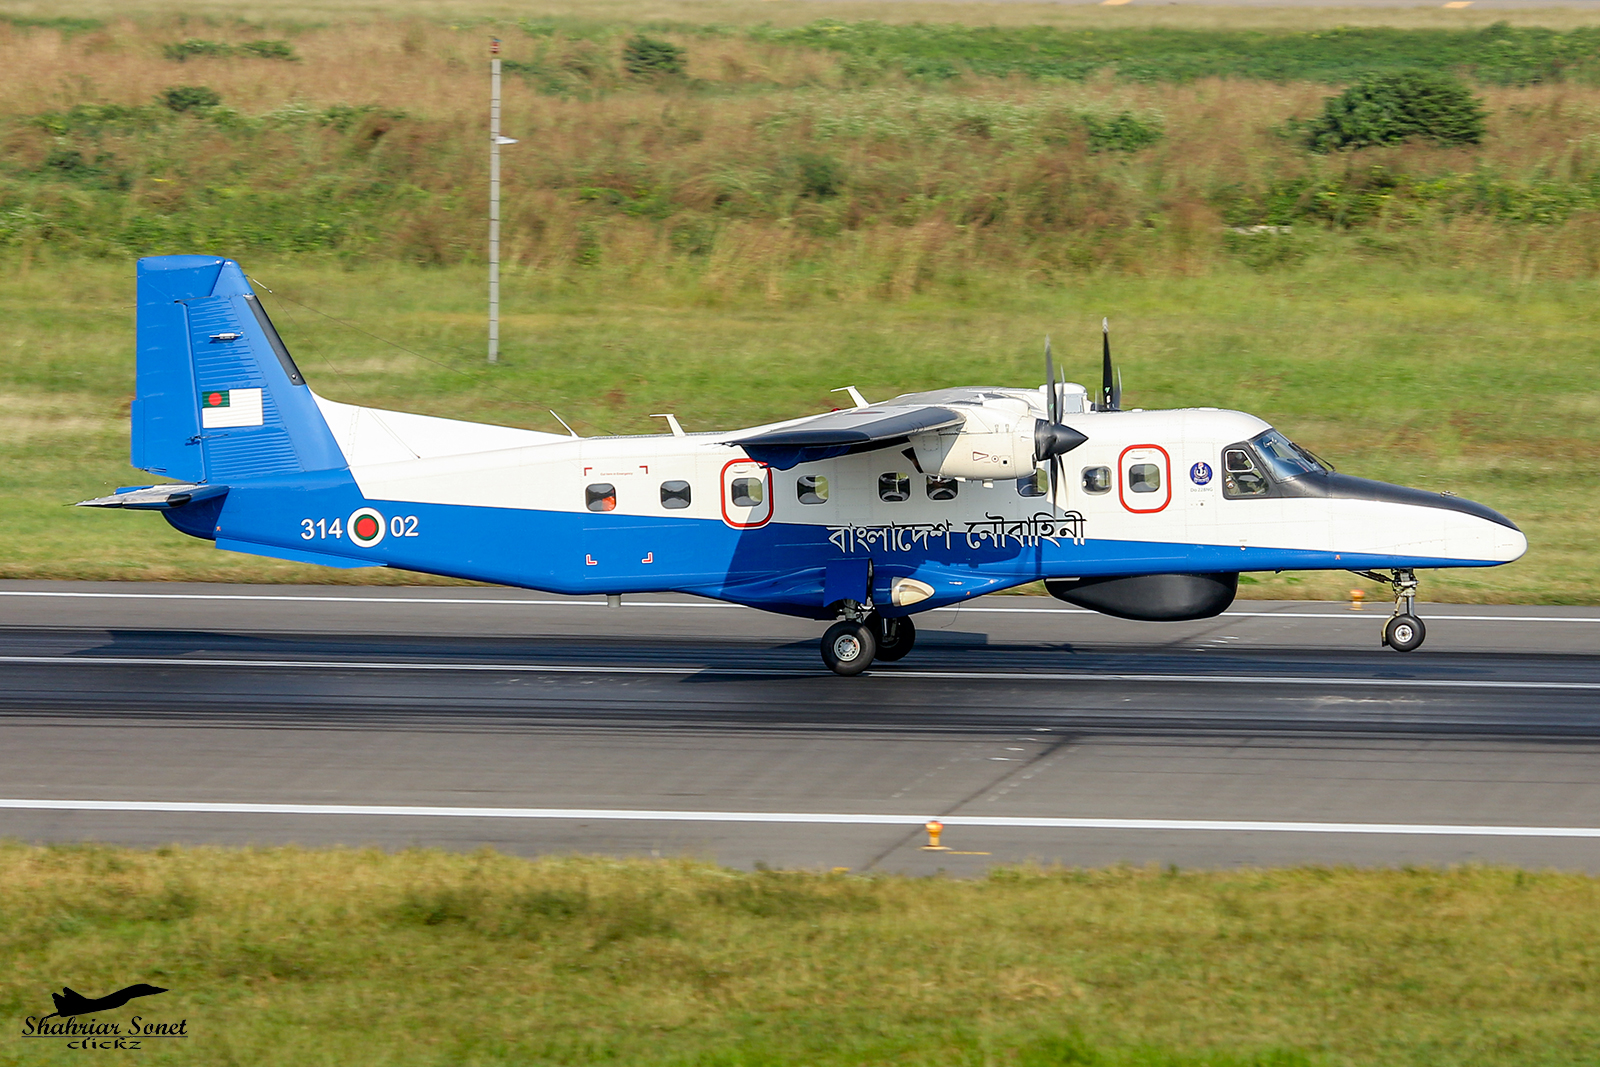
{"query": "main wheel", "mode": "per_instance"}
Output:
(894, 637)
(1404, 633)
(848, 647)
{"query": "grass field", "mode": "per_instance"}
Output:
(811, 205)
(1440, 379)
(356, 957)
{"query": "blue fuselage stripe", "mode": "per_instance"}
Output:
(779, 567)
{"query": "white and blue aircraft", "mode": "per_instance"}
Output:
(866, 515)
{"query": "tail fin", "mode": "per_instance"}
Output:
(219, 397)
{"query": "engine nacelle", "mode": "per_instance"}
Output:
(1150, 597)
(993, 442)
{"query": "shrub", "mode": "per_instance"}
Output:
(1392, 108)
(191, 98)
(195, 46)
(821, 176)
(268, 50)
(649, 57)
(1124, 132)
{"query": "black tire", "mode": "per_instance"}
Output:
(895, 637)
(848, 647)
(1404, 633)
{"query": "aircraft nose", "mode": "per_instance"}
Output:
(1473, 537)
(1510, 543)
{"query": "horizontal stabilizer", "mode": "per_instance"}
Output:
(155, 497)
(842, 433)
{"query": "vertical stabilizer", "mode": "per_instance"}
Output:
(219, 397)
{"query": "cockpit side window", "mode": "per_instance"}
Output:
(1284, 458)
(1240, 476)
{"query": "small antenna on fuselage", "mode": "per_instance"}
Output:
(570, 431)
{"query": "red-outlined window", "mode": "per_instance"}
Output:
(1144, 478)
(739, 478)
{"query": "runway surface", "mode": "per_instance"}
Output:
(456, 717)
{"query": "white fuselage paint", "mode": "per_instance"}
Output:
(425, 460)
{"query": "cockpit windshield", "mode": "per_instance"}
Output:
(1285, 458)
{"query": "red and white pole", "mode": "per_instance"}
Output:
(494, 200)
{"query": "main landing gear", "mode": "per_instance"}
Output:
(1403, 631)
(850, 645)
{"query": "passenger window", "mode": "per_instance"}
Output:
(1036, 484)
(601, 496)
(674, 495)
(895, 488)
(1144, 478)
(746, 492)
(812, 489)
(1097, 479)
(1240, 478)
(941, 488)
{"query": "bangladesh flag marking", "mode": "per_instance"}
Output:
(366, 527)
(230, 407)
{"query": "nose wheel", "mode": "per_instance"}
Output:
(1403, 631)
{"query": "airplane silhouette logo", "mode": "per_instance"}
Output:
(70, 1003)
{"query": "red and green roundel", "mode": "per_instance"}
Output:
(366, 527)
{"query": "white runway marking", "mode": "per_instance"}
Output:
(507, 602)
(580, 668)
(862, 819)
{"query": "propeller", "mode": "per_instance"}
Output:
(1110, 382)
(1051, 440)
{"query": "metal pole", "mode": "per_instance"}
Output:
(494, 203)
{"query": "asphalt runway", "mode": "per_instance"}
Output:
(460, 717)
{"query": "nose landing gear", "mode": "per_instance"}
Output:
(1403, 631)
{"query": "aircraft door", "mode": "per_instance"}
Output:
(1144, 479)
(613, 542)
(746, 494)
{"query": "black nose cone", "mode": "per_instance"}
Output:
(1054, 439)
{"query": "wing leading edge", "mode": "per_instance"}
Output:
(842, 433)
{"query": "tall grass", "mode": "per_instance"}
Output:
(769, 167)
(355, 957)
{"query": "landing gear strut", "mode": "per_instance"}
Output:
(895, 636)
(1403, 631)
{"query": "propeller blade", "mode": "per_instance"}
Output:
(1050, 403)
(1116, 397)
(1055, 478)
(1110, 391)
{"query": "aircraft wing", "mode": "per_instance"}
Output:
(841, 433)
(155, 496)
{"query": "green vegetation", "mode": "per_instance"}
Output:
(198, 46)
(1500, 54)
(1391, 109)
(1470, 382)
(651, 57)
(289, 957)
(181, 98)
(677, 150)
(700, 217)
